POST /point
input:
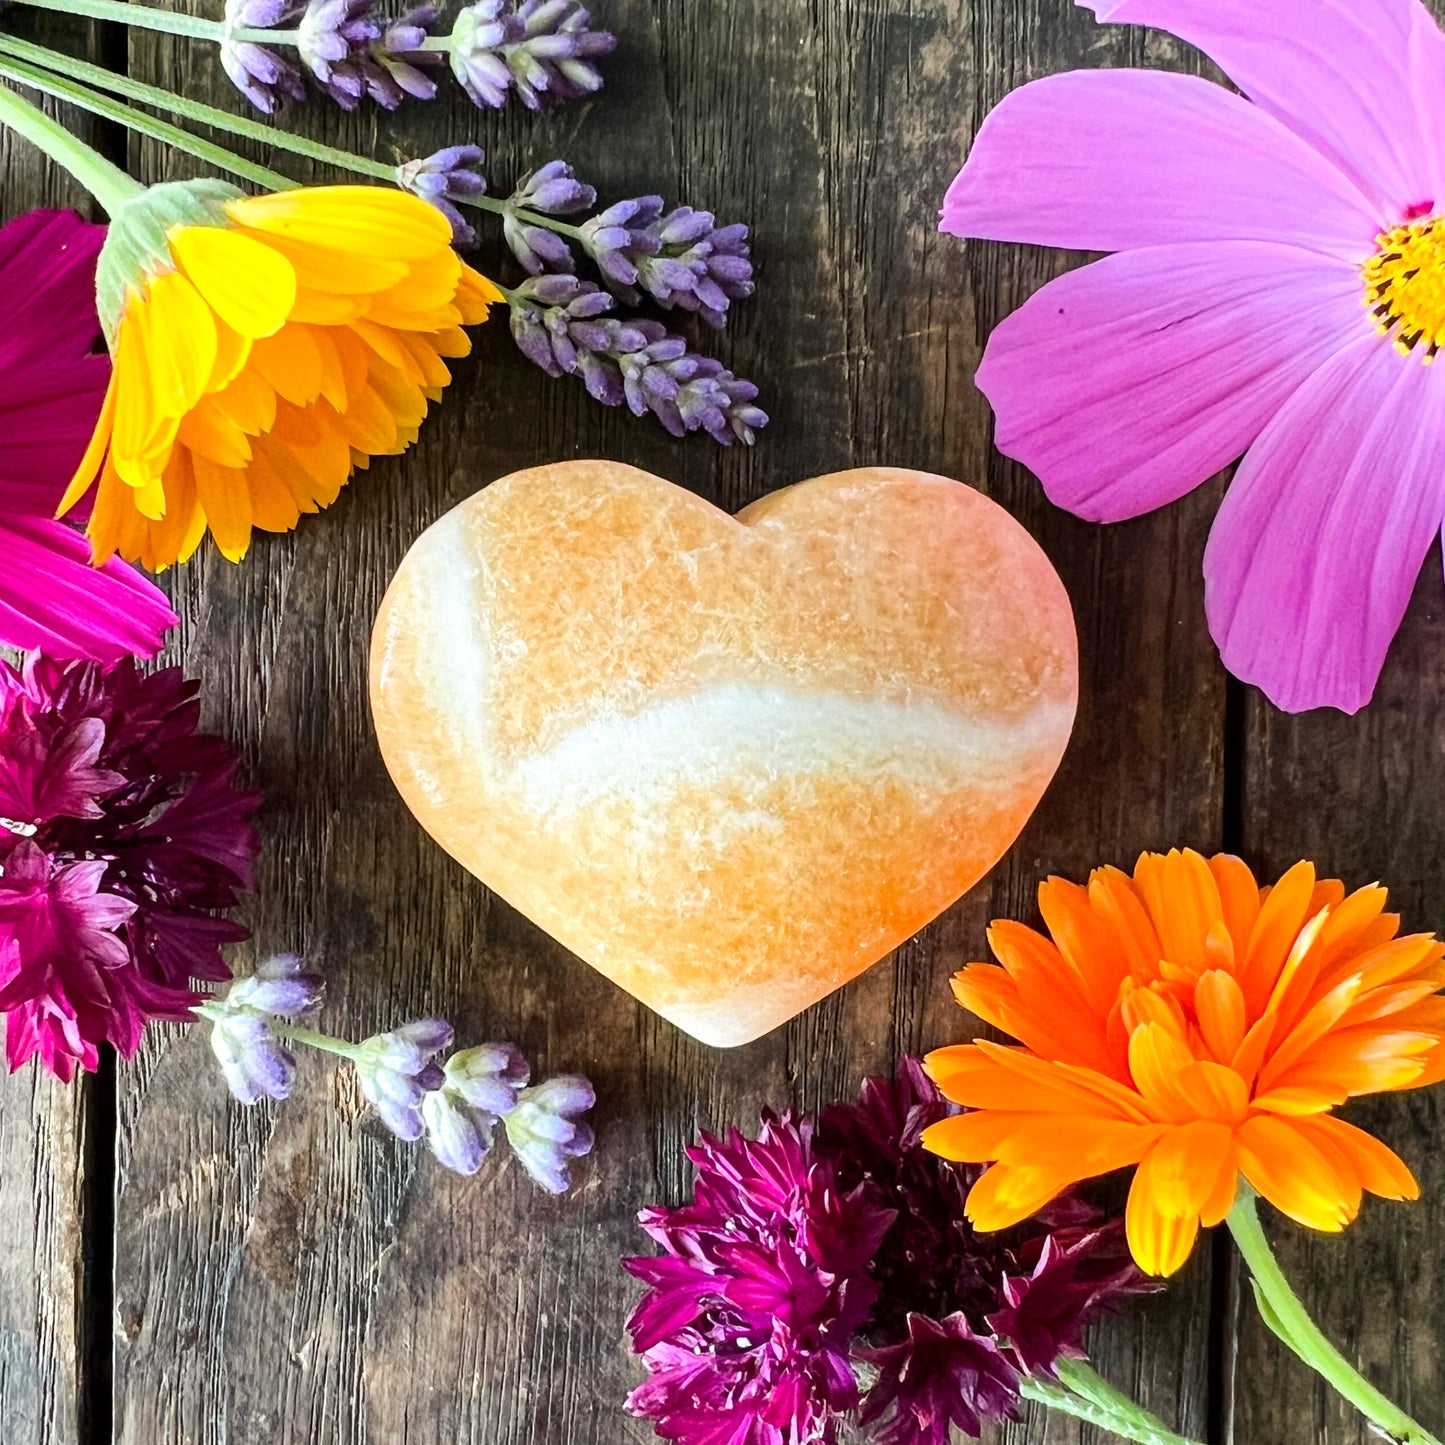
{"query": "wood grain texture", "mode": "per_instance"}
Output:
(43, 1124)
(1363, 797)
(295, 1275)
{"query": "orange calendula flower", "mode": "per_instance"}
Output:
(264, 346)
(1192, 1023)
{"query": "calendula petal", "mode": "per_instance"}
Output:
(1284, 1165)
(249, 285)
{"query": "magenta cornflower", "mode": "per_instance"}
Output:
(829, 1251)
(52, 381)
(1277, 290)
(749, 1319)
(124, 841)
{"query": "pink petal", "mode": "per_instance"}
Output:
(1107, 160)
(47, 289)
(1335, 71)
(1427, 84)
(1318, 543)
(51, 598)
(1123, 385)
(47, 415)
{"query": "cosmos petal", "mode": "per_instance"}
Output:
(1336, 72)
(1112, 160)
(1126, 383)
(1317, 545)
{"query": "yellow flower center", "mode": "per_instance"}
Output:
(1405, 286)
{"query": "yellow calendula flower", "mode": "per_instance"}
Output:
(264, 346)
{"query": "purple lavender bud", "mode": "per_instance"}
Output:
(542, 50)
(396, 1071)
(681, 259)
(255, 1063)
(545, 1132)
(561, 325)
(537, 248)
(448, 175)
(260, 75)
(334, 40)
(280, 987)
(481, 1085)
(554, 60)
(489, 1077)
(461, 1138)
(396, 65)
(553, 190)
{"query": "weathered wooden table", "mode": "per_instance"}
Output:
(174, 1268)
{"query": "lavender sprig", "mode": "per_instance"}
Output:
(444, 178)
(680, 258)
(398, 61)
(540, 50)
(262, 76)
(455, 1104)
(551, 190)
(561, 325)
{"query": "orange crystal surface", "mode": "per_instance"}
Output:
(730, 762)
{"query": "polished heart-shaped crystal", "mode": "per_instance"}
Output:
(728, 761)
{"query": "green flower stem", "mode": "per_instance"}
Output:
(52, 84)
(106, 182)
(1286, 1316)
(244, 127)
(1082, 1394)
(207, 115)
(315, 1040)
(147, 17)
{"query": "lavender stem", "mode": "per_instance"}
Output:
(314, 1039)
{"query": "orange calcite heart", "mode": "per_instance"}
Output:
(730, 762)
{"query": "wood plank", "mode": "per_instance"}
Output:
(293, 1275)
(1365, 798)
(44, 1125)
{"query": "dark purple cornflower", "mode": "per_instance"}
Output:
(1031, 1291)
(561, 324)
(748, 1321)
(941, 1375)
(262, 76)
(124, 842)
(540, 50)
(946, 1321)
(679, 258)
(397, 1070)
(254, 1059)
(447, 176)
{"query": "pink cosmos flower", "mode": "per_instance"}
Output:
(52, 382)
(1277, 289)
